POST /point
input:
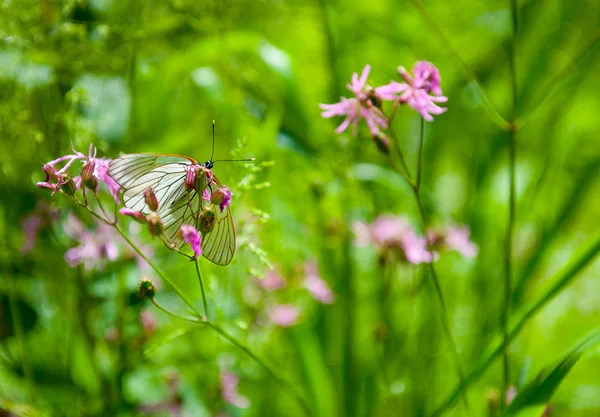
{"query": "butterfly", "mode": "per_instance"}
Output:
(179, 202)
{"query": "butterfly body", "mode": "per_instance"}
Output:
(180, 202)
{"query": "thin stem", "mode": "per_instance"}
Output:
(399, 151)
(284, 384)
(511, 210)
(177, 316)
(436, 281)
(102, 208)
(202, 288)
(440, 295)
(420, 156)
(159, 272)
(489, 107)
(242, 346)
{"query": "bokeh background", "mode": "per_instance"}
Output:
(150, 76)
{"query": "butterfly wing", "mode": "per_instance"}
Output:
(218, 245)
(165, 174)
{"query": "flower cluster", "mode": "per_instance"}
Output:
(198, 179)
(98, 245)
(395, 235)
(94, 170)
(421, 90)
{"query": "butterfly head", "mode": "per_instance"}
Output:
(208, 164)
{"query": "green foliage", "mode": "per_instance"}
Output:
(138, 76)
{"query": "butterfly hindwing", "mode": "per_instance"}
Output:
(165, 175)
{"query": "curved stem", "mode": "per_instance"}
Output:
(170, 313)
(202, 288)
(242, 346)
(159, 272)
(434, 276)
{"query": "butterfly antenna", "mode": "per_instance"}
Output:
(236, 160)
(212, 154)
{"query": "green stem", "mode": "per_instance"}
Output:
(399, 152)
(436, 281)
(202, 288)
(511, 211)
(175, 287)
(559, 283)
(242, 346)
(420, 156)
(489, 107)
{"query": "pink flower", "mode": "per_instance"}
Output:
(457, 238)
(388, 230)
(272, 281)
(42, 216)
(415, 248)
(229, 390)
(316, 286)
(101, 172)
(284, 315)
(96, 246)
(362, 234)
(358, 107)
(415, 91)
(93, 168)
(148, 322)
(190, 235)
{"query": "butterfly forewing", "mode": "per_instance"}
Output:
(165, 174)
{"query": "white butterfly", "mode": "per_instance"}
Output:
(178, 204)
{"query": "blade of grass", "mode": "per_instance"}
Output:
(541, 389)
(495, 349)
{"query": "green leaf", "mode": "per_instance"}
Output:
(532, 400)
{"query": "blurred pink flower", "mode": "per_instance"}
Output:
(100, 245)
(415, 91)
(388, 230)
(42, 216)
(457, 238)
(95, 247)
(358, 107)
(148, 322)
(229, 390)
(190, 235)
(284, 315)
(415, 248)
(362, 233)
(317, 287)
(272, 281)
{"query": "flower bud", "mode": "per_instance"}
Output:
(146, 289)
(382, 142)
(221, 197)
(87, 175)
(138, 216)
(68, 186)
(155, 225)
(150, 198)
(207, 219)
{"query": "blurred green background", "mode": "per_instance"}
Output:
(150, 76)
